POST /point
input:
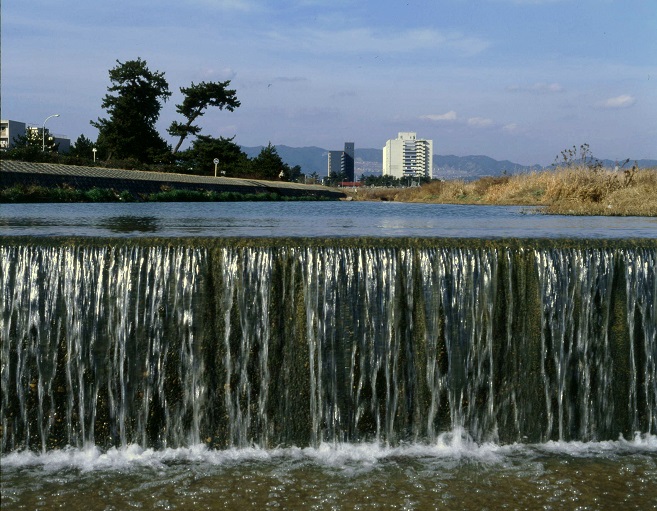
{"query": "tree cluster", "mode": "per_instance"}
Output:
(393, 182)
(233, 162)
(31, 146)
(128, 137)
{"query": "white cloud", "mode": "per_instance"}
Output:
(291, 79)
(229, 5)
(447, 116)
(532, 2)
(622, 101)
(538, 88)
(510, 128)
(225, 73)
(360, 40)
(480, 122)
(475, 122)
(344, 94)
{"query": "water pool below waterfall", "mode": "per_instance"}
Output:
(449, 474)
(212, 372)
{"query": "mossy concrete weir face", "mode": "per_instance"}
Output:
(238, 342)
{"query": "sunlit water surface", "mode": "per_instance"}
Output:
(334, 219)
(452, 474)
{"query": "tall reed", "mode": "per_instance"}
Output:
(565, 190)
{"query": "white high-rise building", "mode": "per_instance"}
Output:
(408, 156)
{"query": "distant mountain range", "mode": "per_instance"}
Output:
(314, 159)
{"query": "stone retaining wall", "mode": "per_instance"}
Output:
(142, 182)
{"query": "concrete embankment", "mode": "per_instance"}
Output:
(14, 173)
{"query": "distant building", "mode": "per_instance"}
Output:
(334, 162)
(348, 161)
(10, 131)
(408, 156)
(63, 143)
(342, 162)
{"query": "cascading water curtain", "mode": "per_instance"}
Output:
(174, 345)
(641, 292)
(99, 343)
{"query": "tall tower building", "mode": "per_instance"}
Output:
(342, 162)
(408, 156)
(348, 161)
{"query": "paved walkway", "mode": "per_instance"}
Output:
(49, 174)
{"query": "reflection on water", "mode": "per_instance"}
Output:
(310, 219)
(130, 223)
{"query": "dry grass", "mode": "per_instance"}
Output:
(610, 195)
(574, 191)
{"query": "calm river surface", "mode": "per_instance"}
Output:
(315, 219)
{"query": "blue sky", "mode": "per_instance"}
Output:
(511, 79)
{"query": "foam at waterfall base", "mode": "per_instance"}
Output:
(450, 447)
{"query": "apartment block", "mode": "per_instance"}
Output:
(9, 131)
(408, 156)
(334, 163)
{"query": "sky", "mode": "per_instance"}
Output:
(511, 79)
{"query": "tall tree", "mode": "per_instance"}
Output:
(200, 156)
(295, 175)
(269, 165)
(82, 148)
(36, 138)
(197, 99)
(133, 104)
(28, 147)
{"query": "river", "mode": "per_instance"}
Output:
(326, 356)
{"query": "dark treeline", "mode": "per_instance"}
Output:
(128, 139)
(66, 194)
(393, 182)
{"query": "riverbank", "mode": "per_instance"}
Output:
(563, 191)
(23, 182)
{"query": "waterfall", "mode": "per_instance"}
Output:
(298, 342)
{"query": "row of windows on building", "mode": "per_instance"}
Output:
(404, 156)
(408, 156)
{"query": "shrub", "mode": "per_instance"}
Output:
(100, 195)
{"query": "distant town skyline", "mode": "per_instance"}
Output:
(518, 80)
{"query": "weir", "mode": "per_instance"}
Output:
(275, 342)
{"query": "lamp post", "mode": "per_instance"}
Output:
(43, 132)
(94, 150)
(216, 163)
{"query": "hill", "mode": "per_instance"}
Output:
(310, 159)
(474, 167)
(314, 159)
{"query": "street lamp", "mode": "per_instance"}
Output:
(43, 132)
(216, 163)
(94, 150)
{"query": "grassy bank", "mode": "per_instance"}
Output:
(37, 194)
(564, 191)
